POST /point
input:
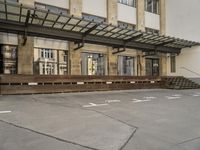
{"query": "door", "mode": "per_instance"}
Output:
(152, 67)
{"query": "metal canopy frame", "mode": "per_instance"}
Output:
(20, 19)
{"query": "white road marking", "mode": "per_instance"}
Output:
(94, 105)
(195, 95)
(149, 97)
(172, 97)
(176, 95)
(4, 112)
(112, 101)
(139, 100)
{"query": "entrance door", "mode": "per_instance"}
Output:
(152, 67)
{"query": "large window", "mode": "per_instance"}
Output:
(173, 64)
(128, 2)
(152, 6)
(8, 59)
(126, 65)
(50, 61)
(93, 64)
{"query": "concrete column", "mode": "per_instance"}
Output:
(75, 56)
(25, 55)
(162, 8)
(140, 15)
(140, 4)
(163, 65)
(141, 64)
(25, 52)
(112, 19)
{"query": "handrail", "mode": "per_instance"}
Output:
(191, 71)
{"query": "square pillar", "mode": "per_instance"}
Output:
(163, 65)
(75, 56)
(25, 55)
(112, 19)
(162, 8)
(140, 4)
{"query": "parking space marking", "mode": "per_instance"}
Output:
(195, 95)
(176, 95)
(139, 100)
(172, 97)
(149, 97)
(4, 112)
(112, 101)
(94, 105)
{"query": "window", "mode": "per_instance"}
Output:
(151, 6)
(126, 65)
(51, 8)
(154, 31)
(93, 64)
(12, 1)
(93, 18)
(173, 64)
(126, 25)
(128, 2)
(47, 53)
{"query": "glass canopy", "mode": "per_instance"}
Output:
(15, 12)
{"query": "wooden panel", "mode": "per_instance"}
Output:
(32, 84)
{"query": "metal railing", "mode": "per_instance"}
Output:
(196, 73)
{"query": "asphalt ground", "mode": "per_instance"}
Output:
(114, 120)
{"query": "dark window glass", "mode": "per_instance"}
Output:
(173, 64)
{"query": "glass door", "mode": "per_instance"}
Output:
(126, 65)
(152, 67)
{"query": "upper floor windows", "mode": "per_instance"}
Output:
(126, 25)
(152, 6)
(154, 31)
(51, 8)
(93, 18)
(128, 2)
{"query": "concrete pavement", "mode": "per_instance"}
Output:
(115, 120)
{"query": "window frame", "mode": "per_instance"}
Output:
(173, 64)
(152, 6)
(127, 2)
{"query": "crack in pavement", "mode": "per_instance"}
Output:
(99, 112)
(50, 136)
(189, 140)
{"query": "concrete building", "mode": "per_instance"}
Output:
(42, 55)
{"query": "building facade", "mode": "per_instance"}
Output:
(43, 56)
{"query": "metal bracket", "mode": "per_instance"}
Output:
(26, 27)
(119, 49)
(80, 44)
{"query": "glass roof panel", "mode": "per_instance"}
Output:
(63, 19)
(2, 7)
(52, 17)
(83, 23)
(48, 23)
(40, 15)
(13, 17)
(101, 33)
(58, 25)
(73, 21)
(68, 27)
(24, 11)
(13, 9)
(2, 16)
(37, 21)
(77, 29)
(23, 19)
(94, 32)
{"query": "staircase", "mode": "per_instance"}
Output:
(180, 82)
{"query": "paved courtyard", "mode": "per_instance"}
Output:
(117, 120)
